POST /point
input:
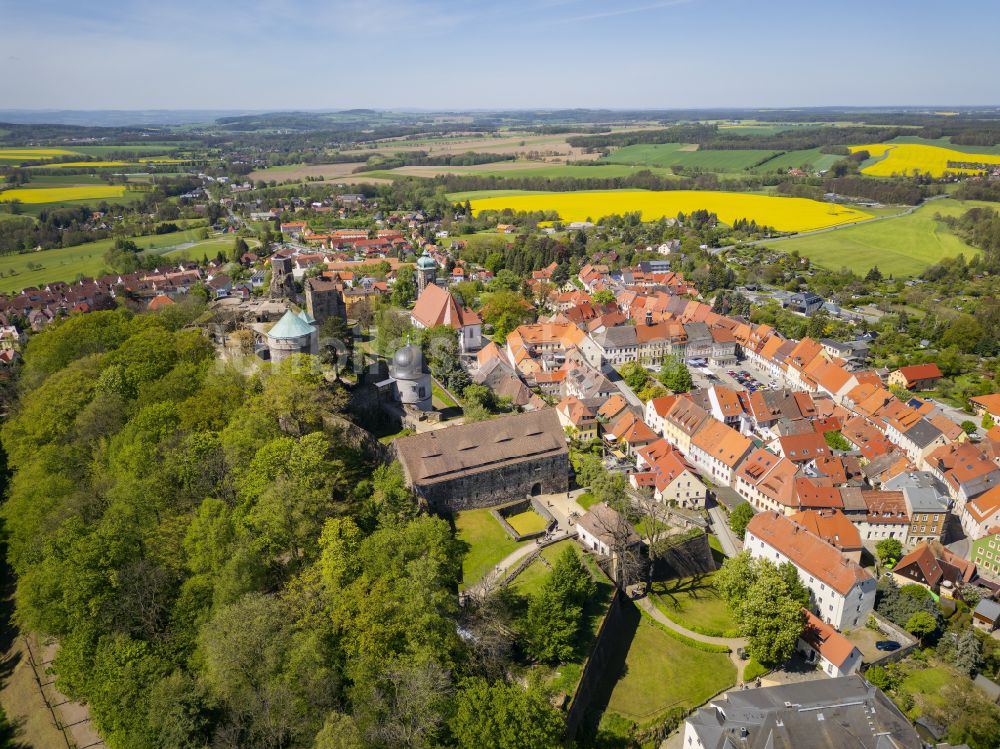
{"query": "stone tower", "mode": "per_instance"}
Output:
(291, 335)
(426, 272)
(413, 379)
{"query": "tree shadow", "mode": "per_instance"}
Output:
(695, 587)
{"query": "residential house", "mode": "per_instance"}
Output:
(717, 451)
(987, 404)
(670, 477)
(656, 411)
(843, 592)
(981, 515)
(986, 615)
(681, 423)
(578, 417)
(601, 529)
(985, 554)
(965, 470)
(818, 714)
(916, 376)
(926, 504)
(835, 528)
(824, 646)
(767, 482)
(932, 565)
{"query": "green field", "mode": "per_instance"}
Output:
(694, 604)
(927, 683)
(526, 522)
(903, 246)
(531, 578)
(661, 673)
(551, 171)
(811, 159)
(68, 263)
(673, 154)
(488, 544)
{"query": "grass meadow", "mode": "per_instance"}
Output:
(903, 246)
(67, 263)
(488, 544)
(686, 155)
(662, 673)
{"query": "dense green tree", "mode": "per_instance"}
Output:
(555, 612)
(404, 290)
(504, 716)
(674, 375)
(739, 518)
(889, 550)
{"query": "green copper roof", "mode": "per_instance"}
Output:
(306, 317)
(290, 326)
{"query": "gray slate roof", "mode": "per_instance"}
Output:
(453, 452)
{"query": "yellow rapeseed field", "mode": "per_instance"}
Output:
(904, 158)
(24, 154)
(59, 194)
(68, 164)
(784, 214)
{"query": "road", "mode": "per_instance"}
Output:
(612, 374)
(731, 546)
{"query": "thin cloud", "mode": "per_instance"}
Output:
(623, 11)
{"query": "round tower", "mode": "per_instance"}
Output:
(413, 379)
(290, 335)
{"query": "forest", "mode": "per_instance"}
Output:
(225, 566)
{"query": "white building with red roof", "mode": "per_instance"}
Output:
(843, 592)
(438, 307)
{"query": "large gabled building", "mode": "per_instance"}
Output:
(843, 592)
(840, 712)
(488, 462)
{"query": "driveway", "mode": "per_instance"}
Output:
(731, 546)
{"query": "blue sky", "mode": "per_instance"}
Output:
(327, 54)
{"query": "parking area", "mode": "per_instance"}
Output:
(865, 640)
(742, 376)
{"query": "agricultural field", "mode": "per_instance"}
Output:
(17, 155)
(62, 194)
(67, 263)
(809, 159)
(903, 246)
(686, 155)
(80, 165)
(784, 214)
(301, 171)
(523, 169)
(889, 159)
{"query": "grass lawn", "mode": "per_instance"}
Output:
(585, 500)
(66, 263)
(693, 603)
(927, 683)
(662, 673)
(488, 544)
(903, 246)
(527, 522)
(442, 398)
(530, 580)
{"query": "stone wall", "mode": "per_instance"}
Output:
(604, 666)
(686, 558)
(516, 508)
(505, 483)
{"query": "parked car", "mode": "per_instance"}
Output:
(887, 645)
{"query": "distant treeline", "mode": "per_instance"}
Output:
(978, 189)
(712, 138)
(881, 191)
(639, 181)
(421, 158)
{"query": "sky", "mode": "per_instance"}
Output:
(506, 54)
